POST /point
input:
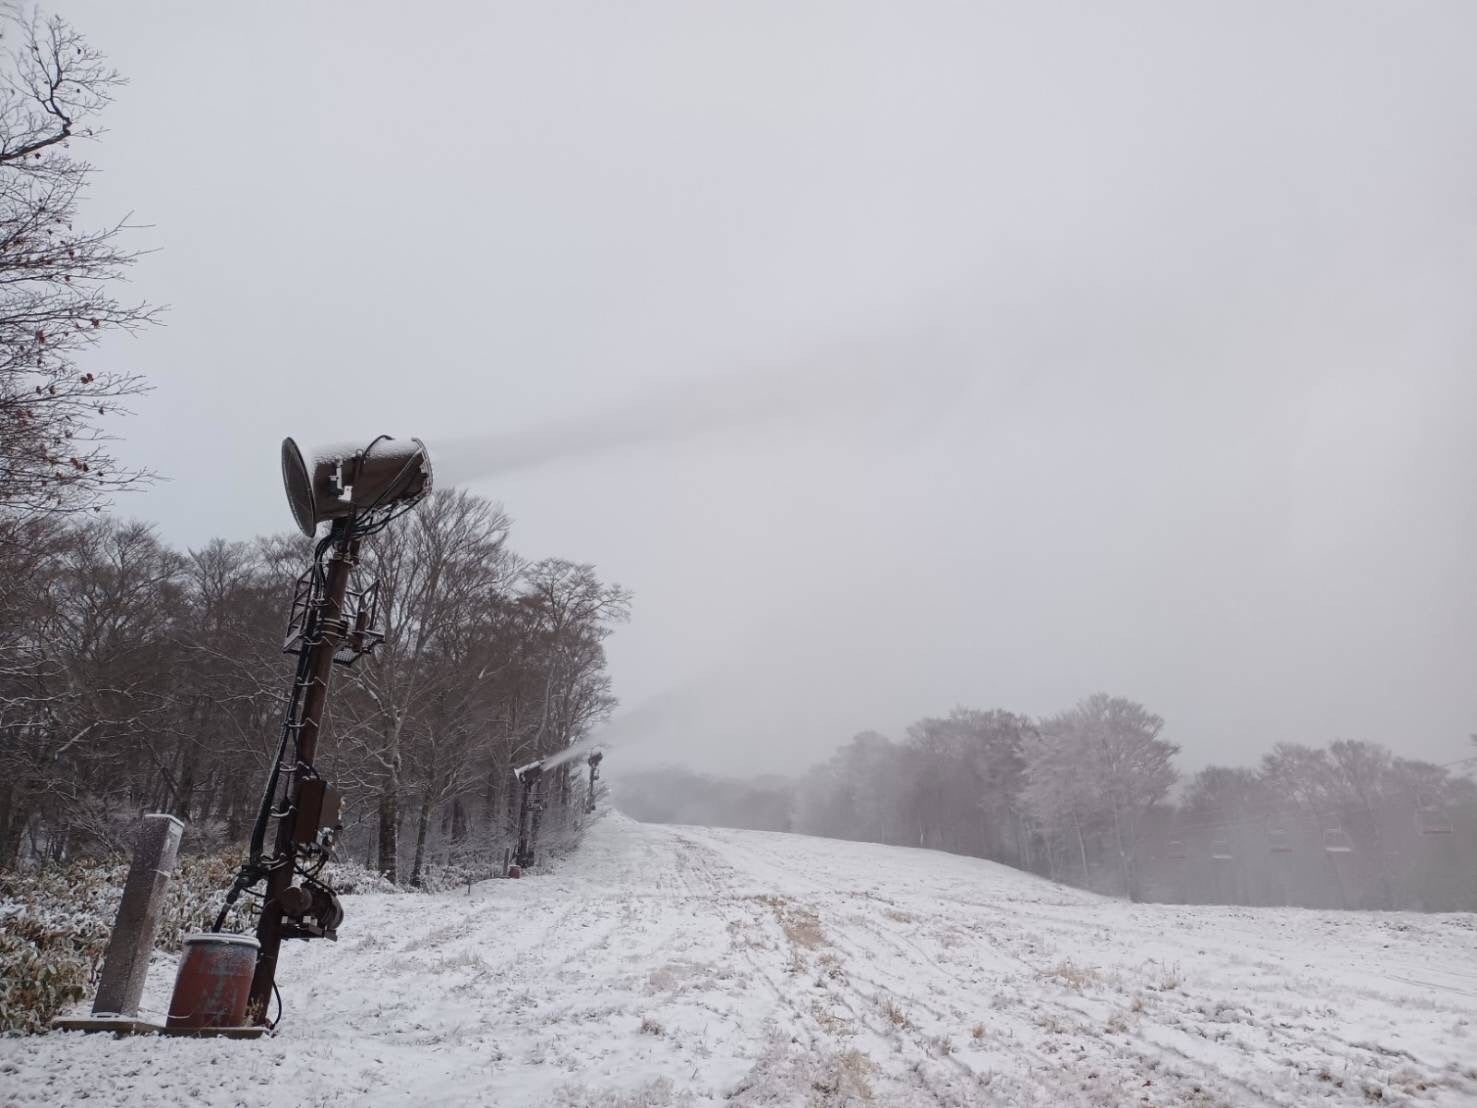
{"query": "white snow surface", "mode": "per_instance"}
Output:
(693, 966)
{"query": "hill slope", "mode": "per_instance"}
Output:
(678, 965)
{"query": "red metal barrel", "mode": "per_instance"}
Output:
(213, 982)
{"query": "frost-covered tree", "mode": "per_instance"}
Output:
(437, 568)
(1101, 763)
(858, 793)
(58, 276)
(1218, 794)
(1058, 793)
(967, 770)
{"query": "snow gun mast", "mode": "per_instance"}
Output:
(529, 810)
(593, 761)
(358, 490)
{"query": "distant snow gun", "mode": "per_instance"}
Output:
(593, 761)
(532, 778)
(529, 810)
(358, 490)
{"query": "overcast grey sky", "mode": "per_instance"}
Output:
(896, 355)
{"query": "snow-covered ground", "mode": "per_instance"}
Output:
(680, 965)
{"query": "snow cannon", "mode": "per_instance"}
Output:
(530, 777)
(593, 761)
(350, 479)
(359, 490)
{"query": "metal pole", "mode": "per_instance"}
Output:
(331, 629)
(594, 761)
(537, 807)
(522, 855)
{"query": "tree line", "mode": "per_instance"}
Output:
(136, 677)
(1088, 796)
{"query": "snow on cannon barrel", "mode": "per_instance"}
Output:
(350, 478)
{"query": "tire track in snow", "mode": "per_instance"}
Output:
(764, 964)
(913, 1039)
(1162, 1036)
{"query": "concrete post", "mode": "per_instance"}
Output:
(126, 963)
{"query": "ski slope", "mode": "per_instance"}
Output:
(683, 965)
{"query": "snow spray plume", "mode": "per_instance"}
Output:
(569, 754)
(846, 386)
(627, 728)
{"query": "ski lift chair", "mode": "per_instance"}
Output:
(1278, 842)
(1220, 850)
(1430, 819)
(1336, 841)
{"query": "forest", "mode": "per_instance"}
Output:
(1092, 796)
(135, 677)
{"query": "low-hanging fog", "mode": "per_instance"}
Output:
(894, 355)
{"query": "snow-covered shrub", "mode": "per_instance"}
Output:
(53, 932)
(350, 877)
(1074, 976)
(44, 966)
(452, 876)
(55, 923)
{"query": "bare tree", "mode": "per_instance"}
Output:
(1059, 793)
(56, 277)
(1103, 762)
(435, 568)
